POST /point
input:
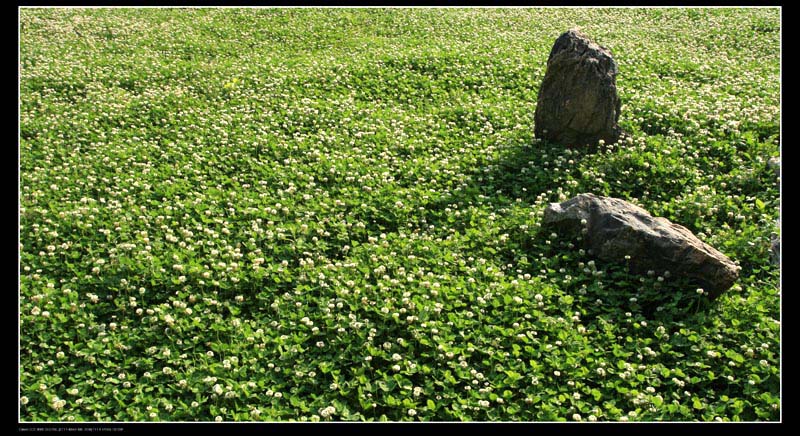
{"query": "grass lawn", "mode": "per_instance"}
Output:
(334, 214)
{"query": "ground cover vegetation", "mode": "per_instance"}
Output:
(308, 214)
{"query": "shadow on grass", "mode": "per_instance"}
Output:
(528, 174)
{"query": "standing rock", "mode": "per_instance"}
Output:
(614, 229)
(578, 103)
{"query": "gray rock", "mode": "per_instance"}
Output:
(613, 228)
(578, 103)
(775, 164)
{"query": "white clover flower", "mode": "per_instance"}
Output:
(58, 403)
(327, 412)
(412, 412)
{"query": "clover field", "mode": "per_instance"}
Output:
(334, 214)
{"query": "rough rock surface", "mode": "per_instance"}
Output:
(578, 103)
(614, 228)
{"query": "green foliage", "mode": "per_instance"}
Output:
(308, 214)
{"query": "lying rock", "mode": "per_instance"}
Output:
(613, 229)
(578, 103)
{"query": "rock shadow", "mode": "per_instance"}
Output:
(527, 174)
